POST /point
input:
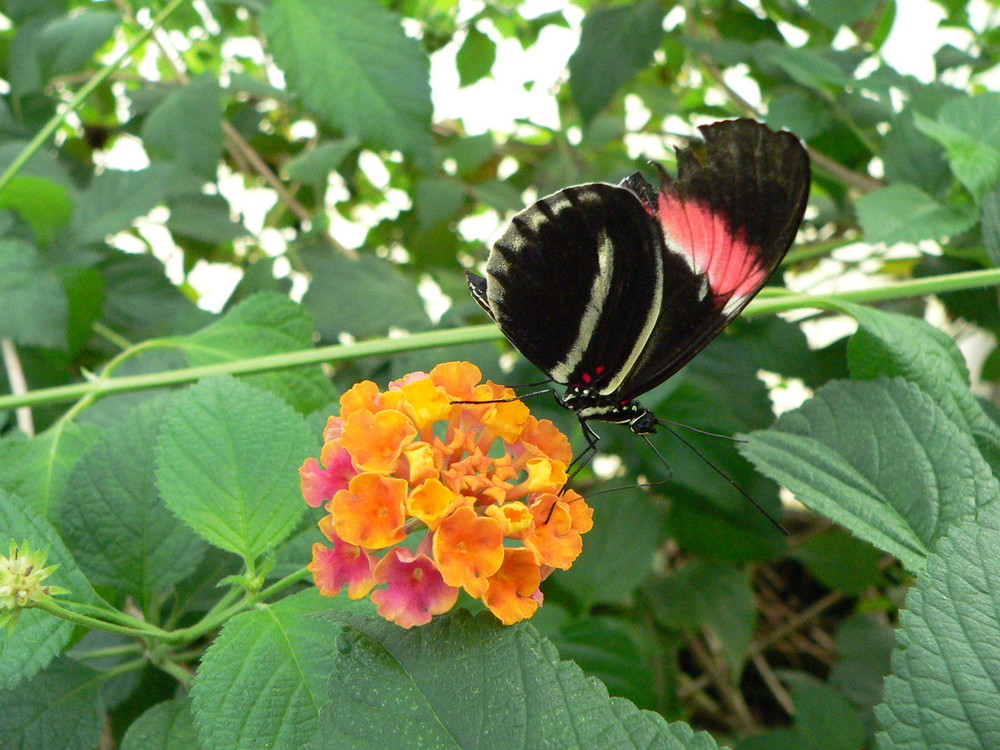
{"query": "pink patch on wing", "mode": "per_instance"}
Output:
(729, 261)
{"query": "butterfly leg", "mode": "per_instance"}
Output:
(588, 453)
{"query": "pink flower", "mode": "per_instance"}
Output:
(344, 564)
(319, 484)
(415, 590)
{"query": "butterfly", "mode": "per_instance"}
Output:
(611, 289)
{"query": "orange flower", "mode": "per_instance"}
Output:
(369, 512)
(512, 593)
(376, 441)
(479, 480)
(467, 549)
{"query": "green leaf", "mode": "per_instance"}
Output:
(67, 44)
(314, 166)
(59, 709)
(606, 650)
(807, 67)
(713, 595)
(824, 719)
(267, 323)
(37, 637)
(911, 157)
(975, 163)
(615, 43)
(436, 200)
(864, 646)
(444, 690)
(351, 64)
(840, 562)
(205, 218)
(882, 459)
(279, 649)
(37, 470)
(617, 553)
(800, 112)
(837, 13)
(226, 463)
(166, 726)
(186, 127)
(990, 217)
(943, 690)
(115, 199)
(475, 57)
(140, 302)
(44, 204)
(905, 213)
(889, 345)
(342, 293)
(34, 301)
(123, 535)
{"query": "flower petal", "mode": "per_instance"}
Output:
(415, 591)
(376, 441)
(431, 502)
(512, 593)
(467, 549)
(369, 513)
(344, 564)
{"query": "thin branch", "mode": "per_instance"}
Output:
(18, 385)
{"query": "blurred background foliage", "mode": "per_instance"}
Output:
(358, 155)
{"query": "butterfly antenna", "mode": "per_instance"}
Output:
(722, 474)
(666, 422)
(637, 486)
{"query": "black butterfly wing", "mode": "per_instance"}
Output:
(728, 219)
(573, 279)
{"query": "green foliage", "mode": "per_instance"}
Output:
(290, 152)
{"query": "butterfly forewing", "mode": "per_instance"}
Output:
(573, 281)
(730, 217)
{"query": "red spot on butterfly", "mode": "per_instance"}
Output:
(586, 377)
(599, 369)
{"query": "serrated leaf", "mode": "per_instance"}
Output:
(888, 344)
(617, 553)
(351, 63)
(882, 459)
(165, 726)
(606, 650)
(905, 213)
(123, 535)
(280, 651)
(58, 709)
(226, 463)
(475, 57)
(267, 323)
(363, 297)
(615, 43)
(186, 127)
(911, 157)
(36, 470)
(976, 163)
(943, 690)
(44, 204)
(444, 690)
(34, 301)
(713, 595)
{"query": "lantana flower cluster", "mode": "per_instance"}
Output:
(481, 481)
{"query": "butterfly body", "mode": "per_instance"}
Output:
(611, 289)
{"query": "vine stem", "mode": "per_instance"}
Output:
(775, 302)
(43, 135)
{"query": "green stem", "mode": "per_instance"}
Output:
(105, 653)
(456, 336)
(43, 135)
(376, 347)
(92, 622)
(912, 288)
